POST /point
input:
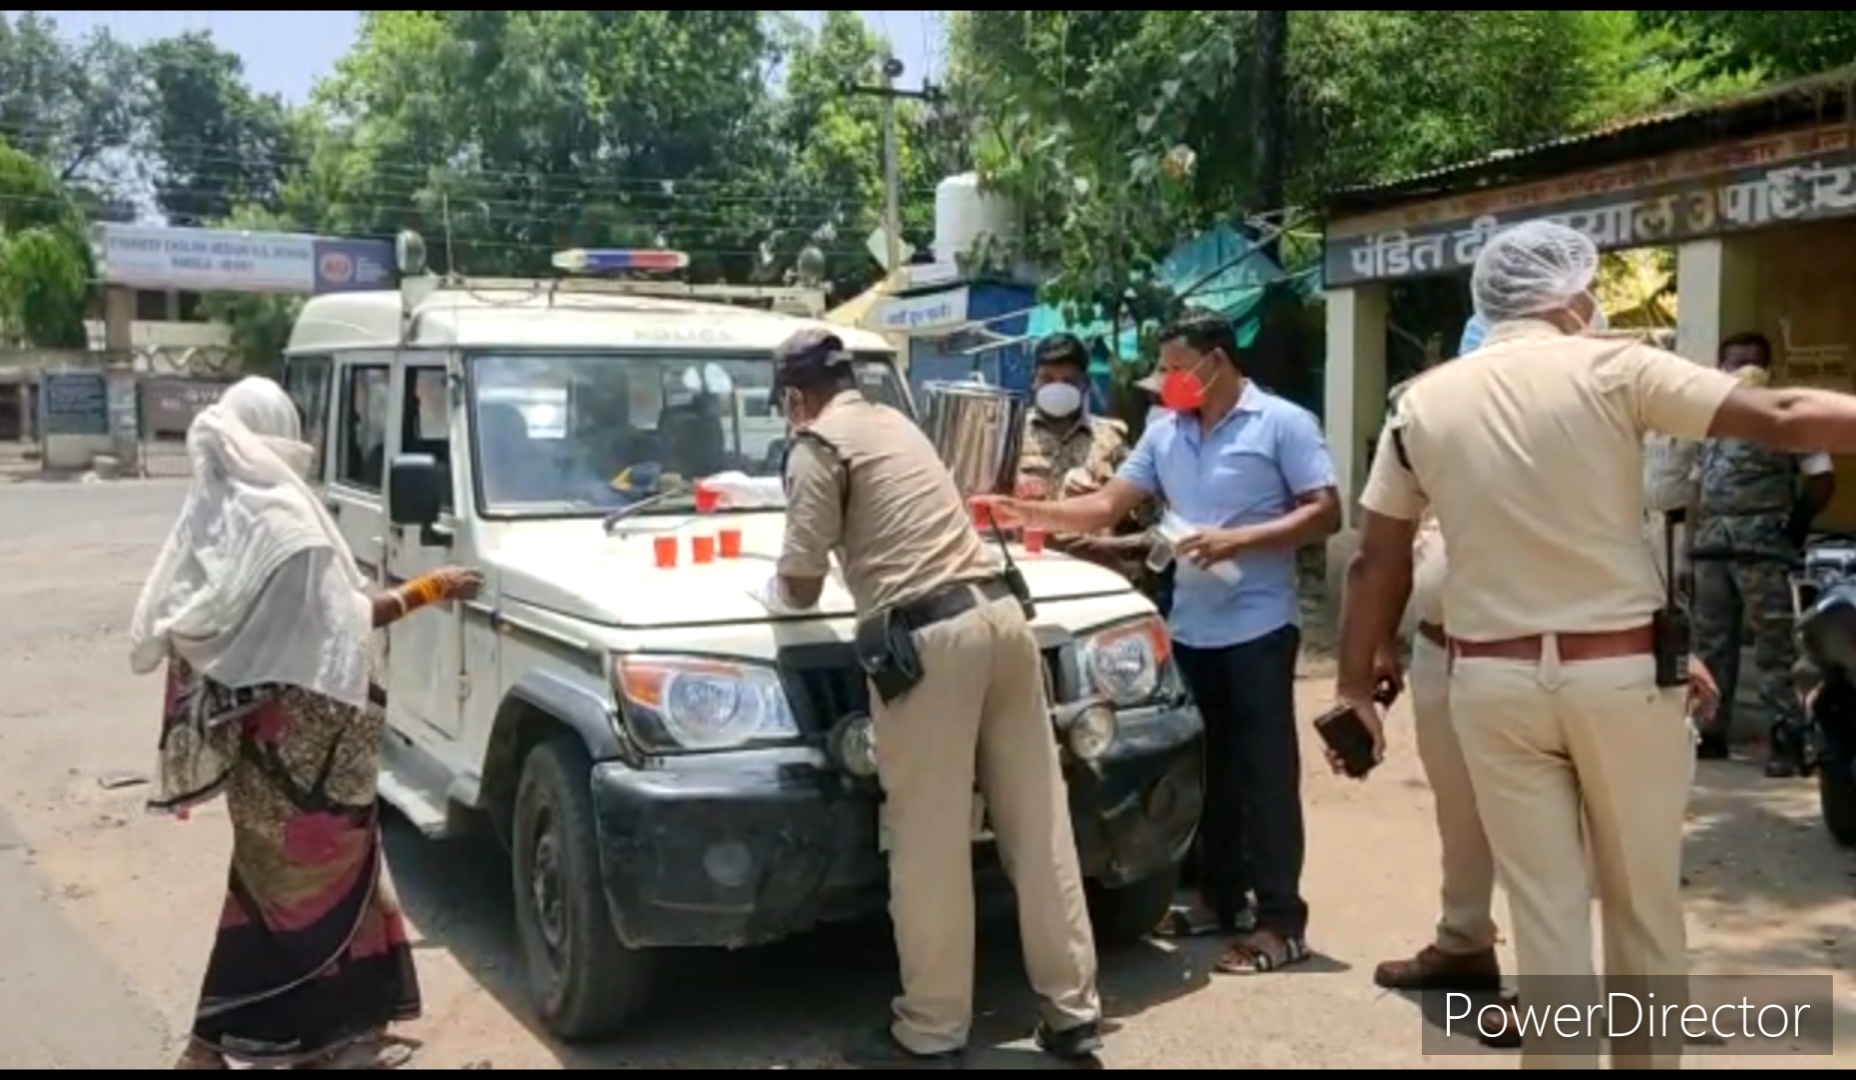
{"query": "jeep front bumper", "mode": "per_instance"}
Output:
(740, 852)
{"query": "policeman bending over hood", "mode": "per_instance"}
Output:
(955, 680)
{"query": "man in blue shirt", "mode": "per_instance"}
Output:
(1251, 474)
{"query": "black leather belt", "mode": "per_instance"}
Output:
(950, 602)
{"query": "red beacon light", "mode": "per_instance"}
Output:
(616, 260)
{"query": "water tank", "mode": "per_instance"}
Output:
(963, 214)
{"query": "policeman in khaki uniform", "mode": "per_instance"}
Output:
(1530, 454)
(1462, 955)
(1753, 498)
(1069, 452)
(864, 482)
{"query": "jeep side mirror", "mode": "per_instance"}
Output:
(416, 495)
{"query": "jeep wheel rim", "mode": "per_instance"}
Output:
(545, 887)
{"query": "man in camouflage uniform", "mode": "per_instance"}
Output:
(1068, 452)
(1753, 499)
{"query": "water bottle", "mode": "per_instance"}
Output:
(1172, 531)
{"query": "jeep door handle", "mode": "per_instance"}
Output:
(334, 508)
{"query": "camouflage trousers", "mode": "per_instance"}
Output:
(1726, 594)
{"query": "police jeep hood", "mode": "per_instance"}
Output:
(570, 567)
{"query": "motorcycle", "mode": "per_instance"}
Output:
(1824, 609)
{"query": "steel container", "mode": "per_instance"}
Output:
(979, 431)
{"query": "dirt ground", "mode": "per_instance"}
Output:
(106, 914)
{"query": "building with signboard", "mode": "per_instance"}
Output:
(1757, 195)
(175, 266)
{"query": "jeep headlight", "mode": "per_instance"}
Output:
(1123, 663)
(673, 703)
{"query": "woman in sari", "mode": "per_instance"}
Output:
(263, 620)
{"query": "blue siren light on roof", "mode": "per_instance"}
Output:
(609, 260)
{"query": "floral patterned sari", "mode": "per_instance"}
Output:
(311, 957)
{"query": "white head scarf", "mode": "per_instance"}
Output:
(256, 585)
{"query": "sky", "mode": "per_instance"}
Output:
(287, 52)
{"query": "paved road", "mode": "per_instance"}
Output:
(105, 914)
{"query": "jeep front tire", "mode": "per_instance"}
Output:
(586, 984)
(1129, 915)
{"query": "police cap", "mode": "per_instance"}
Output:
(1061, 348)
(808, 357)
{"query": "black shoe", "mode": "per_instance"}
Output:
(1782, 768)
(1080, 1043)
(880, 1050)
(1712, 748)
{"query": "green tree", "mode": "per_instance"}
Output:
(44, 256)
(213, 144)
(1758, 43)
(517, 133)
(1124, 132)
(71, 105)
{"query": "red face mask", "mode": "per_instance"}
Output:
(1182, 391)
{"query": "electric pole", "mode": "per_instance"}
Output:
(889, 93)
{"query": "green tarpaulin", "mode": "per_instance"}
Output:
(1220, 271)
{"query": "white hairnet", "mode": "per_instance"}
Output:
(1536, 266)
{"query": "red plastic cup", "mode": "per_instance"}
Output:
(730, 543)
(1034, 541)
(702, 549)
(982, 516)
(665, 549)
(707, 499)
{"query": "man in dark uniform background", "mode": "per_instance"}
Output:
(1753, 498)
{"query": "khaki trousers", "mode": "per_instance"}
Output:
(1467, 925)
(1578, 762)
(979, 712)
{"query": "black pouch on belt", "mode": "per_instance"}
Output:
(1670, 628)
(886, 651)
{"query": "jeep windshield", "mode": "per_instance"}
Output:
(567, 433)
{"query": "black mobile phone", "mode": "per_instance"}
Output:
(1345, 733)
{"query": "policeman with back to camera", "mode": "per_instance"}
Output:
(1461, 956)
(1751, 498)
(1530, 454)
(956, 694)
(1068, 451)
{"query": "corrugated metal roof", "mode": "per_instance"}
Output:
(1821, 97)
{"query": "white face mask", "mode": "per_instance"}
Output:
(1059, 400)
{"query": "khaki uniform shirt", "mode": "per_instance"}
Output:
(1097, 446)
(905, 532)
(1530, 453)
